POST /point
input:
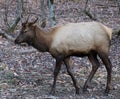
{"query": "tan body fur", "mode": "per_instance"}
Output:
(80, 37)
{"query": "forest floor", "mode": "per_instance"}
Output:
(26, 73)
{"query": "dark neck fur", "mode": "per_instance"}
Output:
(41, 40)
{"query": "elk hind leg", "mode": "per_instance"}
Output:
(68, 64)
(95, 64)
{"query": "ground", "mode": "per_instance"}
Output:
(26, 73)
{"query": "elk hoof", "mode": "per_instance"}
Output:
(52, 92)
(85, 89)
(77, 91)
(106, 92)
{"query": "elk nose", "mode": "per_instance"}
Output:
(16, 41)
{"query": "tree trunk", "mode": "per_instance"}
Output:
(6, 14)
(42, 9)
(52, 12)
(118, 3)
(19, 6)
(43, 14)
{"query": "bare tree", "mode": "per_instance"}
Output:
(43, 12)
(42, 9)
(6, 13)
(118, 3)
(18, 16)
(10, 28)
(52, 13)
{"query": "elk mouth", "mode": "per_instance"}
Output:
(17, 41)
(20, 43)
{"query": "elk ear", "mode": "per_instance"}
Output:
(43, 23)
(26, 22)
(32, 23)
(23, 24)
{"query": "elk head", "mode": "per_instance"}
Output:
(27, 32)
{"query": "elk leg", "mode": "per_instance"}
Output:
(108, 66)
(56, 72)
(95, 64)
(68, 64)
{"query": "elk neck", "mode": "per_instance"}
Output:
(42, 40)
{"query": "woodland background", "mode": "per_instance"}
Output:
(26, 73)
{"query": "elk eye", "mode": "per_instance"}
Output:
(25, 31)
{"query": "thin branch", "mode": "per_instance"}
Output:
(116, 32)
(7, 36)
(86, 4)
(87, 12)
(90, 15)
(12, 28)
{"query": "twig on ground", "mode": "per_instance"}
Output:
(6, 35)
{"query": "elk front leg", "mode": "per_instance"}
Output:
(56, 72)
(95, 64)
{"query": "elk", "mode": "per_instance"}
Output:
(89, 39)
